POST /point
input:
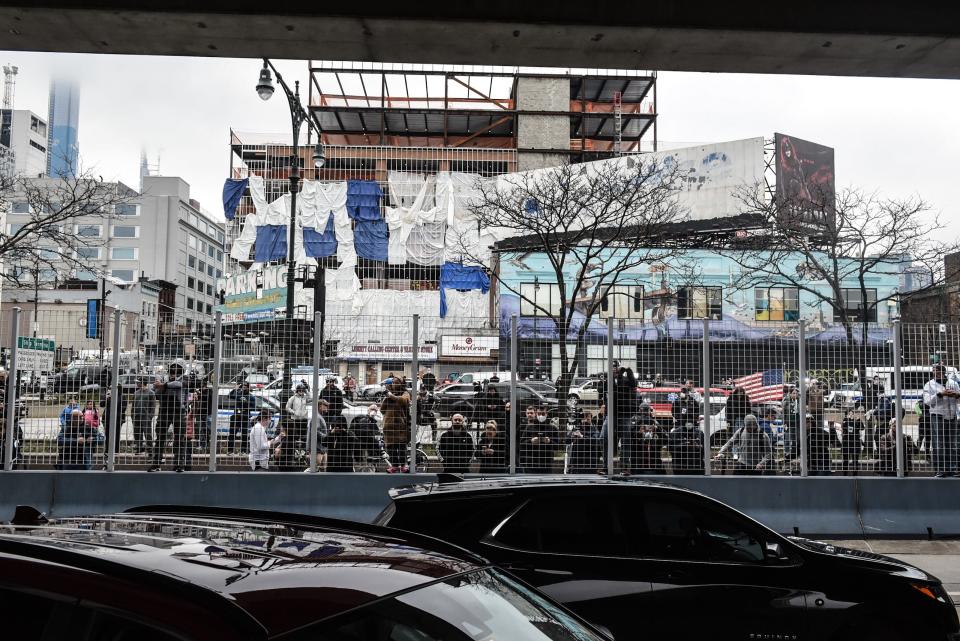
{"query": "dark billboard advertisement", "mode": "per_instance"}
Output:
(805, 173)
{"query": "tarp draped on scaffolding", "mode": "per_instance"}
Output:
(232, 193)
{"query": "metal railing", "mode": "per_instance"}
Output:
(416, 392)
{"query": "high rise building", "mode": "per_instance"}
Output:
(24, 134)
(64, 121)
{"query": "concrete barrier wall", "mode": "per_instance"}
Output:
(814, 506)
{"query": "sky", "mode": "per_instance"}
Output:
(898, 137)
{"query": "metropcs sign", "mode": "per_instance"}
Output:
(469, 346)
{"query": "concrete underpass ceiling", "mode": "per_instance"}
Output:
(880, 38)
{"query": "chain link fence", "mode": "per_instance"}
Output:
(341, 393)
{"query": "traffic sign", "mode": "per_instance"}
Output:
(35, 354)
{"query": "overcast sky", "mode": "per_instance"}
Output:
(897, 136)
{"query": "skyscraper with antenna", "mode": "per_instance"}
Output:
(63, 150)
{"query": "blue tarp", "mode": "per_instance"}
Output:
(370, 239)
(726, 329)
(363, 200)
(463, 277)
(320, 245)
(271, 243)
(232, 192)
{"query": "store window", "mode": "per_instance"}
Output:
(777, 304)
(700, 302)
(539, 299)
(623, 301)
(858, 309)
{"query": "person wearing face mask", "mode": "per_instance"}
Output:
(491, 450)
(538, 442)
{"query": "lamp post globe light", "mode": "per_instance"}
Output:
(298, 116)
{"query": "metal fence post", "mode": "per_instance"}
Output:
(898, 401)
(314, 431)
(214, 382)
(611, 410)
(706, 398)
(113, 431)
(514, 417)
(415, 368)
(11, 400)
(802, 386)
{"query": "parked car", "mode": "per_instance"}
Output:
(257, 381)
(376, 391)
(643, 558)
(217, 574)
(448, 397)
(79, 378)
(587, 392)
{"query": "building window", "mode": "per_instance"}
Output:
(776, 303)
(190, 304)
(210, 270)
(209, 309)
(623, 301)
(211, 251)
(539, 299)
(219, 256)
(89, 231)
(202, 267)
(191, 241)
(191, 282)
(219, 274)
(123, 253)
(90, 253)
(38, 146)
(21, 208)
(192, 261)
(209, 289)
(700, 302)
(857, 309)
(84, 275)
(199, 285)
(128, 209)
(126, 231)
(201, 246)
(193, 220)
(126, 275)
(13, 228)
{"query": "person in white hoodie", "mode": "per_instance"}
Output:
(941, 395)
(260, 445)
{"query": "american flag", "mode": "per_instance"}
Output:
(762, 386)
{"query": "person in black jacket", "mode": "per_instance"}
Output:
(738, 406)
(172, 397)
(647, 439)
(333, 396)
(685, 408)
(685, 443)
(342, 446)
(850, 445)
(585, 446)
(491, 450)
(243, 404)
(538, 442)
(490, 406)
(456, 447)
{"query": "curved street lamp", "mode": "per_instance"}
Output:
(298, 116)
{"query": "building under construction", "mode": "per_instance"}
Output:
(378, 118)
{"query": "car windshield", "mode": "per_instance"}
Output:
(478, 606)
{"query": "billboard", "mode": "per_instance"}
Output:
(253, 296)
(805, 173)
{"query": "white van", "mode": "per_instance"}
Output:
(912, 380)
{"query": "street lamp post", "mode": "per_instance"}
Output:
(298, 116)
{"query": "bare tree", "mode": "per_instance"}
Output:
(51, 239)
(594, 224)
(821, 249)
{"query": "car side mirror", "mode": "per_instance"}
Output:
(773, 552)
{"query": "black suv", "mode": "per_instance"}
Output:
(166, 573)
(664, 562)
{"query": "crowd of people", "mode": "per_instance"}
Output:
(174, 414)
